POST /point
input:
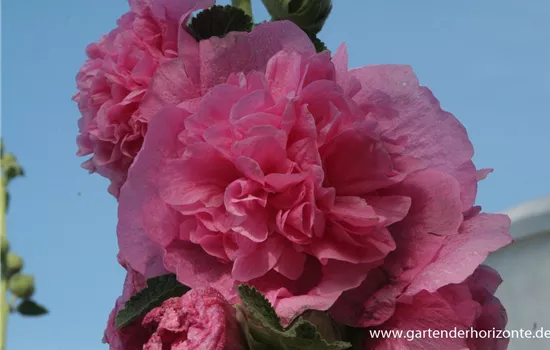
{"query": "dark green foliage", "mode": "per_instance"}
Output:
(31, 308)
(157, 291)
(263, 327)
(219, 21)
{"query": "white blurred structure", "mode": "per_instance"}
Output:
(525, 269)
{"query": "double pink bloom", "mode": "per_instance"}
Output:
(252, 158)
(114, 80)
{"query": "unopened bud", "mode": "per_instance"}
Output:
(310, 15)
(10, 167)
(21, 286)
(14, 264)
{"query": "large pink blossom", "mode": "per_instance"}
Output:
(201, 318)
(467, 307)
(115, 78)
(301, 177)
(422, 262)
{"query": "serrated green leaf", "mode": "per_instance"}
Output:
(319, 45)
(31, 308)
(304, 335)
(259, 307)
(325, 325)
(244, 5)
(157, 291)
(242, 320)
(219, 21)
(264, 326)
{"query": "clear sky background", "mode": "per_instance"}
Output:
(487, 61)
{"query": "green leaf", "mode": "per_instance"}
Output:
(31, 308)
(264, 326)
(319, 45)
(219, 21)
(242, 319)
(325, 325)
(244, 5)
(260, 308)
(304, 335)
(157, 291)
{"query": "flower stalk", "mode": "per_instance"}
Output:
(245, 5)
(20, 286)
(4, 291)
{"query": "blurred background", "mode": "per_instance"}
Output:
(488, 62)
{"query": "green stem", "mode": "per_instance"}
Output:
(245, 5)
(4, 307)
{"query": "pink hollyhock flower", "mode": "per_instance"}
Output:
(466, 306)
(200, 319)
(113, 82)
(299, 176)
(422, 262)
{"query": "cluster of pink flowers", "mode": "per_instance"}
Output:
(254, 159)
(114, 80)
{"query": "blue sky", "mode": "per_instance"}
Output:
(488, 62)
